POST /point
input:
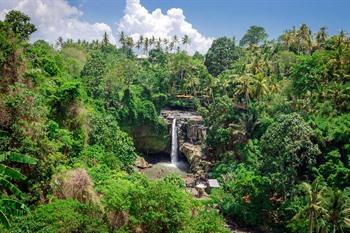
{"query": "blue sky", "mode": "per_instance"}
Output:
(216, 18)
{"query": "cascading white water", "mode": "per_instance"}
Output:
(174, 143)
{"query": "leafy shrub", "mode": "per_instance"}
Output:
(67, 216)
(289, 151)
(149, 205)
(106, 133)
(244, 195)
(207, 221)
(175, 179)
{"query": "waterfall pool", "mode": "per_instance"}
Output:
(162, 166)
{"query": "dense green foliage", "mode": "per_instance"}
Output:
(67, 117)
(279, 130)
(278, 133)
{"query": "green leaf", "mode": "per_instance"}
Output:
(11, 173)
(5, 184)
(3, 219)
(3, 157)
(21, 158)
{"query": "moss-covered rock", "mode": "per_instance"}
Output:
(150, 140)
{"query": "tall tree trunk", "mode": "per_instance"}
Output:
(311, 222)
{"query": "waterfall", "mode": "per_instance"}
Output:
(174, 143)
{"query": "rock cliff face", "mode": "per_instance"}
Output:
(191, 136)
(148, 140)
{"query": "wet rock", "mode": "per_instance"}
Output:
(148, 140)
(193, 153)
(142, 163)
(201, 190)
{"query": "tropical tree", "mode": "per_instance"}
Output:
(321, 37)
(166, 44)
(244, 88)
(122, 38)
(337, 204)
(20, 24)
(186, 41)
(105, 40)
(304, 39)
(314, 210)
(175, 42)
(146, 44)
(139, 43)
(254, 35)
(221, 55)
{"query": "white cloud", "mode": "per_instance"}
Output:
(139, 21)
(55, 18)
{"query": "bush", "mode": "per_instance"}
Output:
(176, 180)
(106, 133)
(134, 203)
(62, 216)
(207, 221)
(244, 195)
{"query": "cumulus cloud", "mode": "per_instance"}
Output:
(55, 18)
(139, 21)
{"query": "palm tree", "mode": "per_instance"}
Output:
(10, 206)
(305, 39)
(122, 38)
(314, 208)
(287, 39)
(105, 40)
(171, 45)
(175, 41)
(165, 42)
(244, 87)
(129, 42)
(262, 85)
(321, 37)
(186, 41)
(152, 40)
(338, 210)
(60, 42)
(159, 44)
(146, 44)
(139, 43)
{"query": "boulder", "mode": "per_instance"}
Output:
(192, 152)
(141, 163)
(201, 190)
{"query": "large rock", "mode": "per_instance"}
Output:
(193, 153)
(141, 163)
(148, 140)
